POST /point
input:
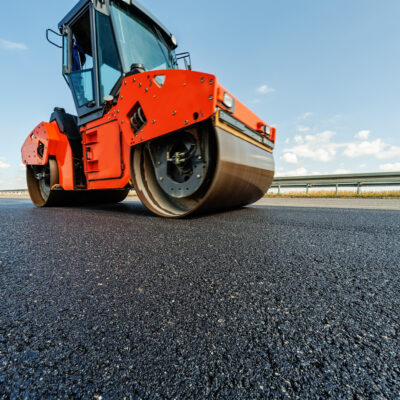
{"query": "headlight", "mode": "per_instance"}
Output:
(267, 130)
(228, 101)
(174, 41)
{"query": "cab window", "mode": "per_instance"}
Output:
(108, 60)
(139, 42)
(81, 75)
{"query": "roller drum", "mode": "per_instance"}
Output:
(243, 174)
(238, 174)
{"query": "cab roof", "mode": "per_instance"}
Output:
(133, 3)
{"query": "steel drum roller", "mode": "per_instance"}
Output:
(238, 173)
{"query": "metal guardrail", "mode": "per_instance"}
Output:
(338, 181)
(14, 191)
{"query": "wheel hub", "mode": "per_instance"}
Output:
(42, 174)
(178, 164)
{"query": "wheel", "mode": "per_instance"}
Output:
(171, 174)
(40, 180)
(198, 170)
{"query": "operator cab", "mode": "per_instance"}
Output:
(105, 41)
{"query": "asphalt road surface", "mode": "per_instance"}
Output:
(263, 302)
(362, 203)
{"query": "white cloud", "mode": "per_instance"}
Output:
(298, 139)
(3, 164)
(317, 147)
(297, 172)
(394, 167)
(290, 158)
(365, 148)
(377, 148)
(321, 147)
(341, 171)
(14, 178)
(389, 152)
(306, 115)
(7, 45)
(287, 141)
(363, 135)
(264, 89)
(302, 128)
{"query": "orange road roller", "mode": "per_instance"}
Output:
(145, 121)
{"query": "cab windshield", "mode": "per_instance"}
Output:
(140, 42)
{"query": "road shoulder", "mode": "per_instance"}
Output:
(362, 203)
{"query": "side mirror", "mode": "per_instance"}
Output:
(48, 31)
(67, 50)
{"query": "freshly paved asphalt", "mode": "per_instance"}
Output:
(263, 302)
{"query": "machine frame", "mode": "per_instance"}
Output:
(95, 150)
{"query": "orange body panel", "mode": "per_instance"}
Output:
(56, 145)
(45, 135)
(103, 152)
(177, 100)
(243, 113)
(184, 98)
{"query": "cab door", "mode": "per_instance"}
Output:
(102, 144)
(92, 70)
(80, 62)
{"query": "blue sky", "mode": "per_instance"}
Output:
(325, 73)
